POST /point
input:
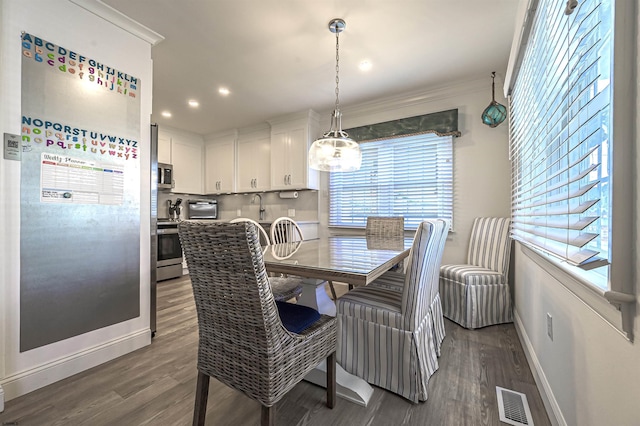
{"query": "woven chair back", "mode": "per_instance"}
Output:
(264, 237)
(379, 226)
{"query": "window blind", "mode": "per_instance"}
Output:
(409, 176)
(560, 124)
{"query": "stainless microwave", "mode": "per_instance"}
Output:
(165, 176)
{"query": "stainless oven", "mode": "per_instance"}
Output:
(169, 264)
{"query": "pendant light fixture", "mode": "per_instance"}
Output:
(495, 113)
(335, 151)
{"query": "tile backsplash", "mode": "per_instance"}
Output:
(304, 208)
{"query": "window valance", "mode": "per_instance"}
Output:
(443, 123)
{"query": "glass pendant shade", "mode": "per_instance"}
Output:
(335, 151)
(495, 113)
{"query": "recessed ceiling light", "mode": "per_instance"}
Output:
(224, 91)
(166, 114)
(365, 66)
(193, 103)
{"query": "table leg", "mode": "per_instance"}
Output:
(315, 296)
(349, 387)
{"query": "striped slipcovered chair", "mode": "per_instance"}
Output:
(386, 336)
(477, 293)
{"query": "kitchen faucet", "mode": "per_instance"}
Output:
(253, 200)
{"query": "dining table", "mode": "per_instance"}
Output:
(354, 260)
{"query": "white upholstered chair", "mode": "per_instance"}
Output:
(477, 294)
(386, 336)
(283, 288)
(286, 230)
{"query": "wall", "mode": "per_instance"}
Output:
(481, 163)
(589, 374)
(94, 37)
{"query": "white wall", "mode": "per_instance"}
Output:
(65, 24)
(481, 160)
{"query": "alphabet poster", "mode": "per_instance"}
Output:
(79, 194)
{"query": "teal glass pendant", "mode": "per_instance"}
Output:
(495, 113)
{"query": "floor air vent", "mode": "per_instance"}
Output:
(513, 407)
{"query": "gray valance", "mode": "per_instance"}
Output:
(443, 123)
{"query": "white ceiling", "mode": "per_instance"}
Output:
(278, 56)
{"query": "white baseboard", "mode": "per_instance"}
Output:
(550, 403)
(43, 375)
(1, 399)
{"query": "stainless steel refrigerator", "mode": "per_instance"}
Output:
(154, 227)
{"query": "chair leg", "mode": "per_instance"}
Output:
(331, 380)
(333, 290)
(268, 416)
(202, 394)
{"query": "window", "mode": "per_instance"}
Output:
(409, 176)
(569, 141)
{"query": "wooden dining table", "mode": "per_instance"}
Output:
(355, 260)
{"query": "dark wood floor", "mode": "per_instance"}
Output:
(155, 385)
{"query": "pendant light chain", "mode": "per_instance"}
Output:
(337, 70)
(334, 151)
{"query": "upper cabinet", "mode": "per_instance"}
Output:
(254, 161)
(220, 160)
(291, 138)
(187, 167)
(164, 149)
(186, 157)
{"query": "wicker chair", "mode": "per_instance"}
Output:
(387, 337)
(385, 227)
(283, 288)
(477, 294)
(285, 230)
(379, 226)
(243, 341)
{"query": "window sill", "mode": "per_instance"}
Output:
(593, 297)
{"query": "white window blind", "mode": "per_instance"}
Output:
(410, 176)
(560, 115)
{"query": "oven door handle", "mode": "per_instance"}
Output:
(167, 231)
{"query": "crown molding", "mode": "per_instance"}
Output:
(410, 99)
(222, 134)
(361, 114)
(119, 19)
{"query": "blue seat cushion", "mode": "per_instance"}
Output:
(296, 318)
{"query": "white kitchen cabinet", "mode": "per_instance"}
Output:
(187, 167)
(164, 149)
(220, 160)
(291, 137)
(254, 164)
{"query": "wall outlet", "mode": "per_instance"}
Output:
(292, 213)
(239, 212)
(550, 326)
